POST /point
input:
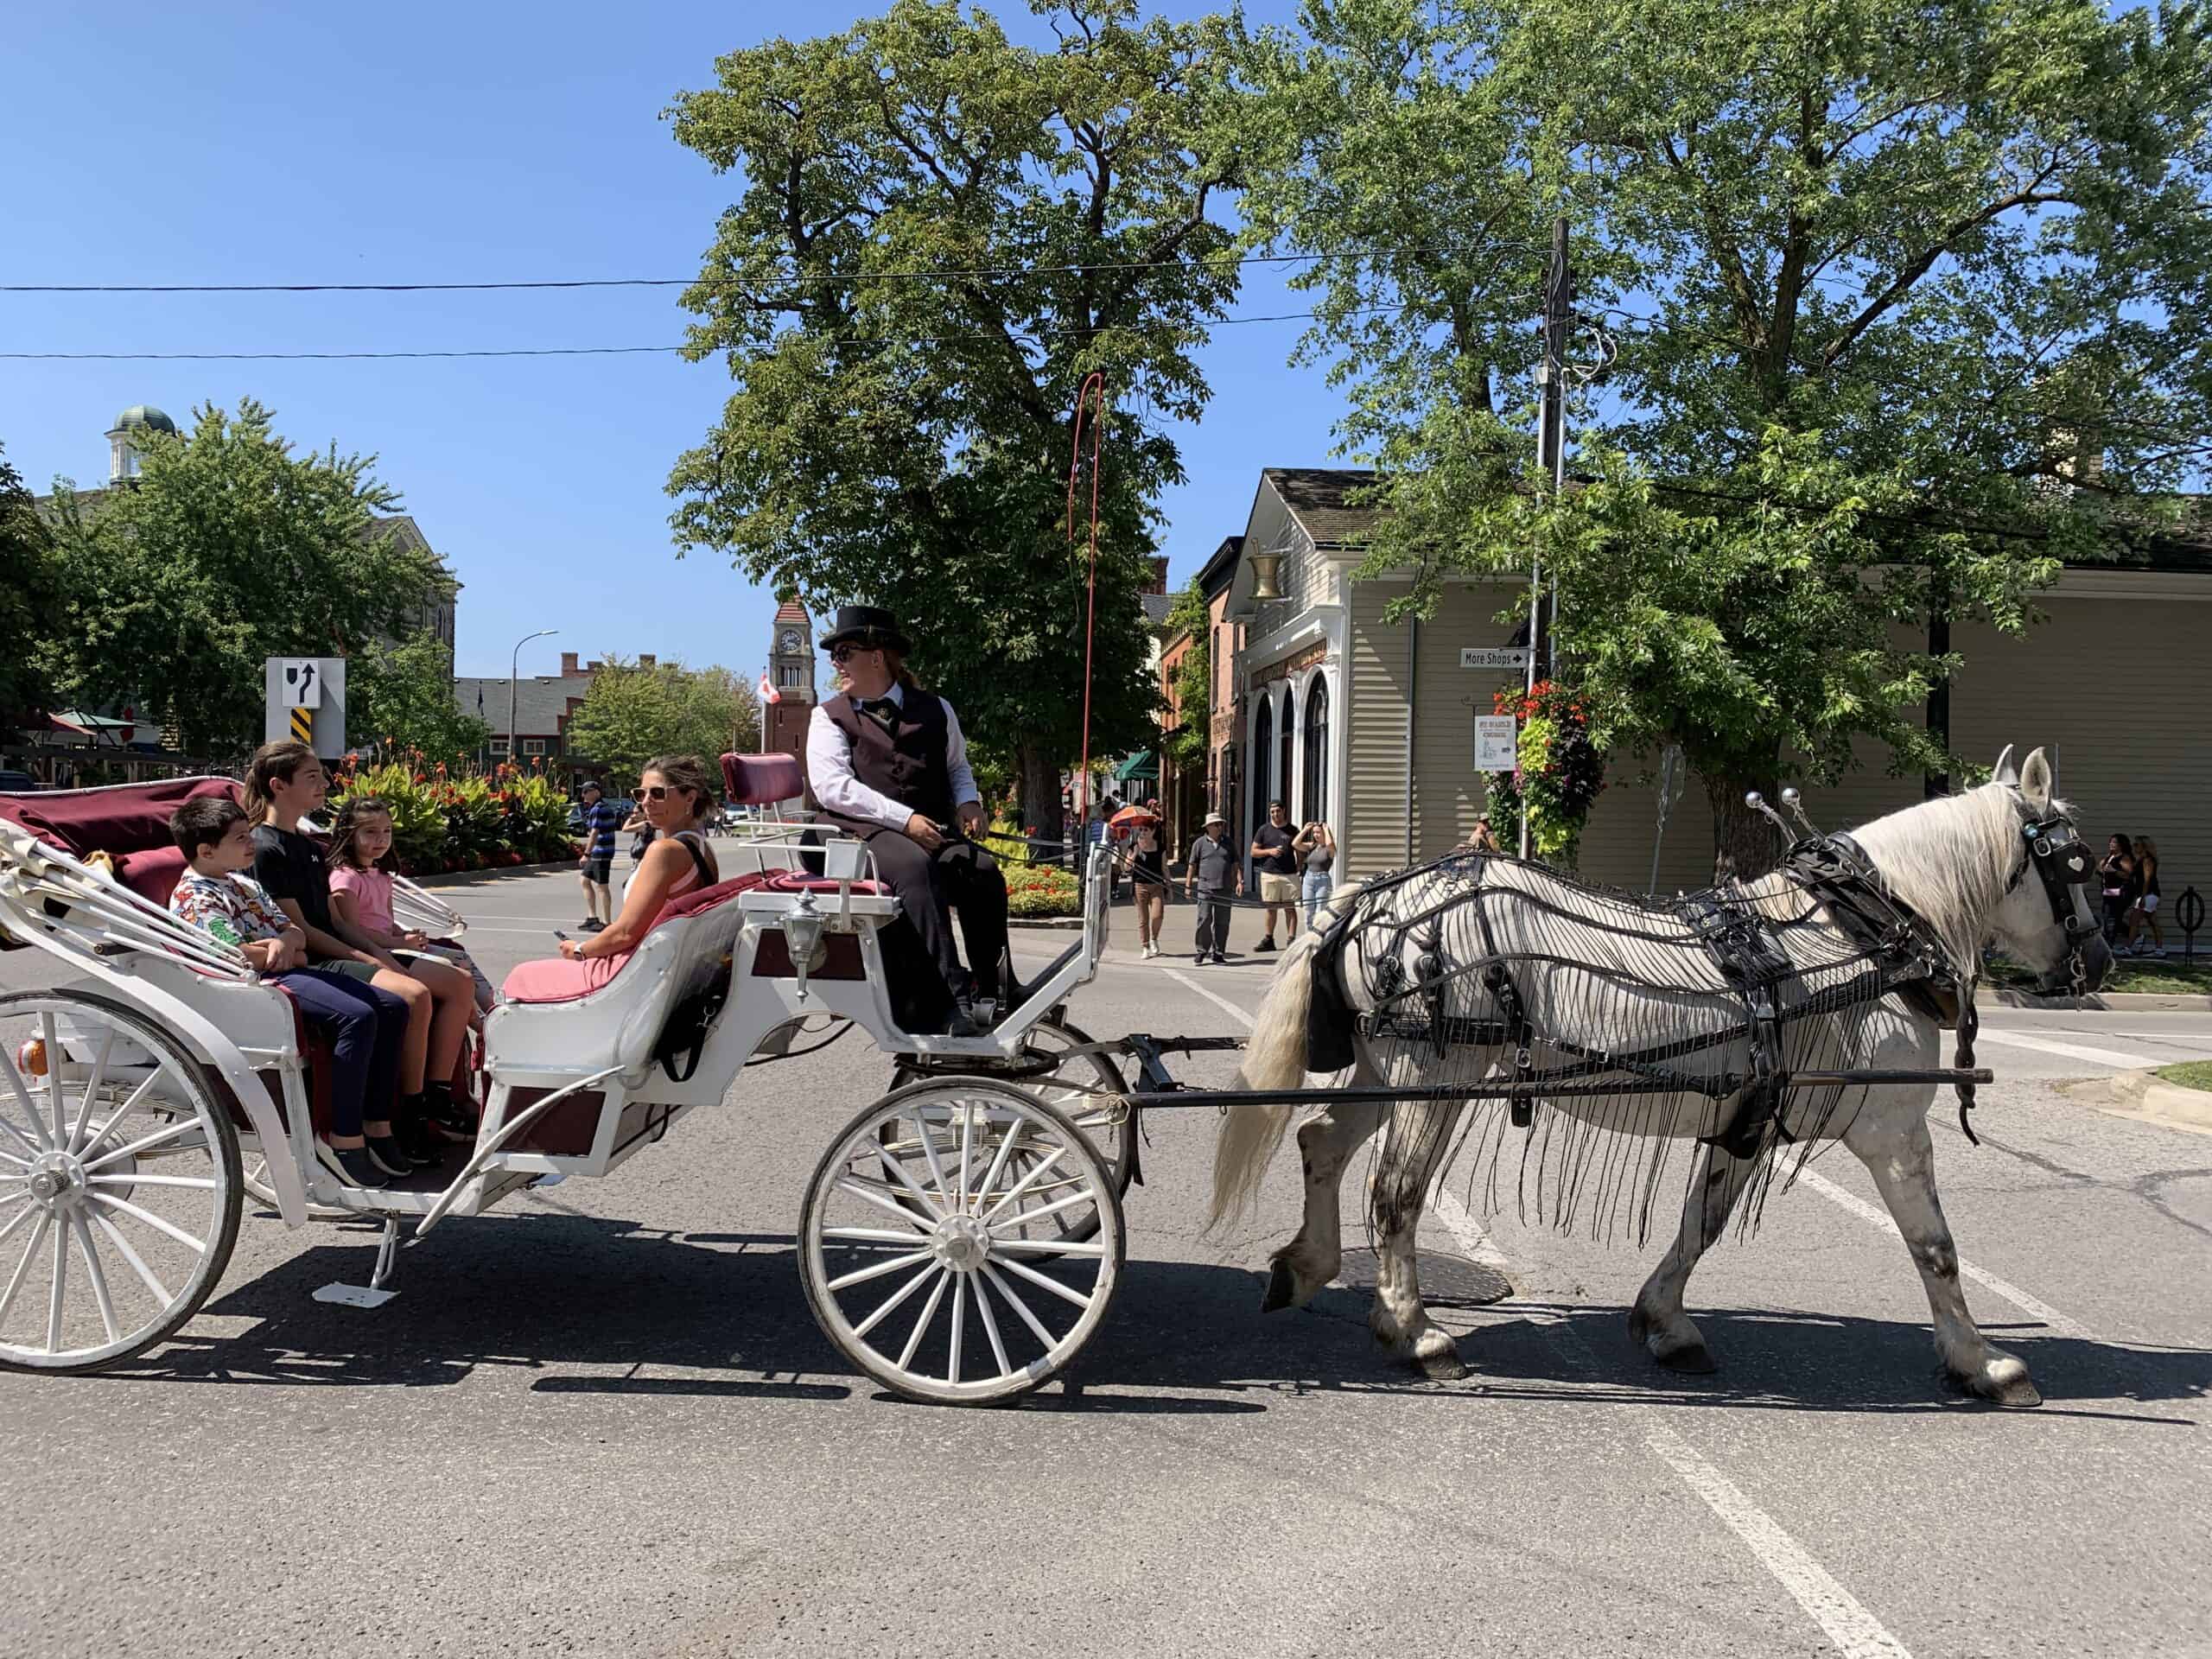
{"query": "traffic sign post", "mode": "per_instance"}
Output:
(305, 699)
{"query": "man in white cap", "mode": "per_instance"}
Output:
(1211, 876)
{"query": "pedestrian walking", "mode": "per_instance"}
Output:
(1316, 849)
(1148, 878)
(1212, 876)
(2116, 881)
(1275, 863)
(602, 819)
(2144, 913)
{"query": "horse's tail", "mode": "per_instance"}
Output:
(1274, 1058)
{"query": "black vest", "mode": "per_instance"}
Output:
(908, 762)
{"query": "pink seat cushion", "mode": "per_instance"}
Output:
(691, 903)
(762, 779)
(799, 881)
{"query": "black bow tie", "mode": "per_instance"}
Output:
(883, 709)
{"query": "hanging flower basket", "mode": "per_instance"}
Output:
(1560, 775)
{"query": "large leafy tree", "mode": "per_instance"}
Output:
(637, 711)
(1910, 300)
(403, 694)
(905, 439)
(225, 550)
(30, 600)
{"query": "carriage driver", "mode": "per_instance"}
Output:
(887, 763)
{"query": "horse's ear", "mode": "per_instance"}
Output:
(2036, 783)
(2006, 772)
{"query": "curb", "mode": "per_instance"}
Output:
(1045, 921)
(463, 878)
(2144, 1096)
(2187, 1002)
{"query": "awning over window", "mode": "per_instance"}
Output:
(1143, 765)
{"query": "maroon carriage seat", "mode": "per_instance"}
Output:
(762, 779)
(129, 822)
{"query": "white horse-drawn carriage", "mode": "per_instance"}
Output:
(959, 1241)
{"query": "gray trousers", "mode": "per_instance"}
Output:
(1213, 920)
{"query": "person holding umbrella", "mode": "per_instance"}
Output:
(1148, 870)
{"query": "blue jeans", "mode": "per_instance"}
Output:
(367, 1028)
(1315, 892)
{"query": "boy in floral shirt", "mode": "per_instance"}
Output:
(365, 1039)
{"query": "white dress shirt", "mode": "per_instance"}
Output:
(830, 768)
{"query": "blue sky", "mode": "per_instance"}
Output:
(241, 142)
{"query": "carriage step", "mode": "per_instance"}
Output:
(373, 1294)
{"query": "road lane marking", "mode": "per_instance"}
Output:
(2125, 1059)
(1856, 1633)
(1219, 1002)
(2059, 1325)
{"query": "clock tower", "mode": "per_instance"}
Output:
(791, 672)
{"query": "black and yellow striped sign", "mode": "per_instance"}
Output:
(303, 725)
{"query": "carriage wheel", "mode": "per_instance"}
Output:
(936, 1275)
(1084, 1088)
(120, 1183)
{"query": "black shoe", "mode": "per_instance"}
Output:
(1218, 957)
(411, 1132)
(963, 1020)
(388, 1155)
(1267, 941)
(591, 924)
(444, 1114)
(351, 1165)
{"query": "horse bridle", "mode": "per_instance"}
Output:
(2064, 865)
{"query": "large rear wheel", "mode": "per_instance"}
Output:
(119, 1182)
(940, 1276)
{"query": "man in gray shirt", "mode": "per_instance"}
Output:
(1213, 873)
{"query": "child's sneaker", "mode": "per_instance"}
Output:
(444, 1113)
(388, 1155)
(351, 1165)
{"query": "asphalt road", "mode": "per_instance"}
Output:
(601, 1420)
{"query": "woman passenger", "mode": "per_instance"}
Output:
(674, 796)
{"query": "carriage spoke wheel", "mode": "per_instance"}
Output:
(119, 1182)
(1083, 1088)
(939, 1275)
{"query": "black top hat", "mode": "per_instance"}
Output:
(865, 625)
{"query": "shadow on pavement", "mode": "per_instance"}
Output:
(593, 1304)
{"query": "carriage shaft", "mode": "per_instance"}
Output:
(1157, 1100)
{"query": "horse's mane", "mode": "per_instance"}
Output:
(1951, 859)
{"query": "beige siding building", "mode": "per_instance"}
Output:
(1370, 722)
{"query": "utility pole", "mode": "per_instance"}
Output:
(1551, 442)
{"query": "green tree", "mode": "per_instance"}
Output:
(907, 442)
(1911, 302)
(227, 550)
(635, 711)
(1188, 744)
(403, 694)
(30, 600)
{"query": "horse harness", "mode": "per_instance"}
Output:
(1902, 955)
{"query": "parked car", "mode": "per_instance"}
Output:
(17, 783)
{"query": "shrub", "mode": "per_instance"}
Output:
(442, 821)
(1039, 890)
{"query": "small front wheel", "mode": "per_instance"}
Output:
(926, 1249)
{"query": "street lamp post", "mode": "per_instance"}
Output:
(514, 666)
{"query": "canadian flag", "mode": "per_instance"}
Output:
(768, 693)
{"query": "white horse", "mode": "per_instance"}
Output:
(1967, 865)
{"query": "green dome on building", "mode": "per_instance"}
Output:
(143, 415)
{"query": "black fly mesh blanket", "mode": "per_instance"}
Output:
(1620, 1027)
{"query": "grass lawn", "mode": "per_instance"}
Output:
(2168, 975)
(2190, 1074)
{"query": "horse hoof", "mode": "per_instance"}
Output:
(1692, 1358)
(2005, 1383)
(1446, 1367)
(1282, 1289)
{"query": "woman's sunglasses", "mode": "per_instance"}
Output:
(656, 792)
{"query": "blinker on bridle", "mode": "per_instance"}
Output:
(2059, 859)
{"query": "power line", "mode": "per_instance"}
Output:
(938, 274)
(599, 351)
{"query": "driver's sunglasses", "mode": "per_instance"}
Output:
(844, 654)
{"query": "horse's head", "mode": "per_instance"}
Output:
(2046, 918)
